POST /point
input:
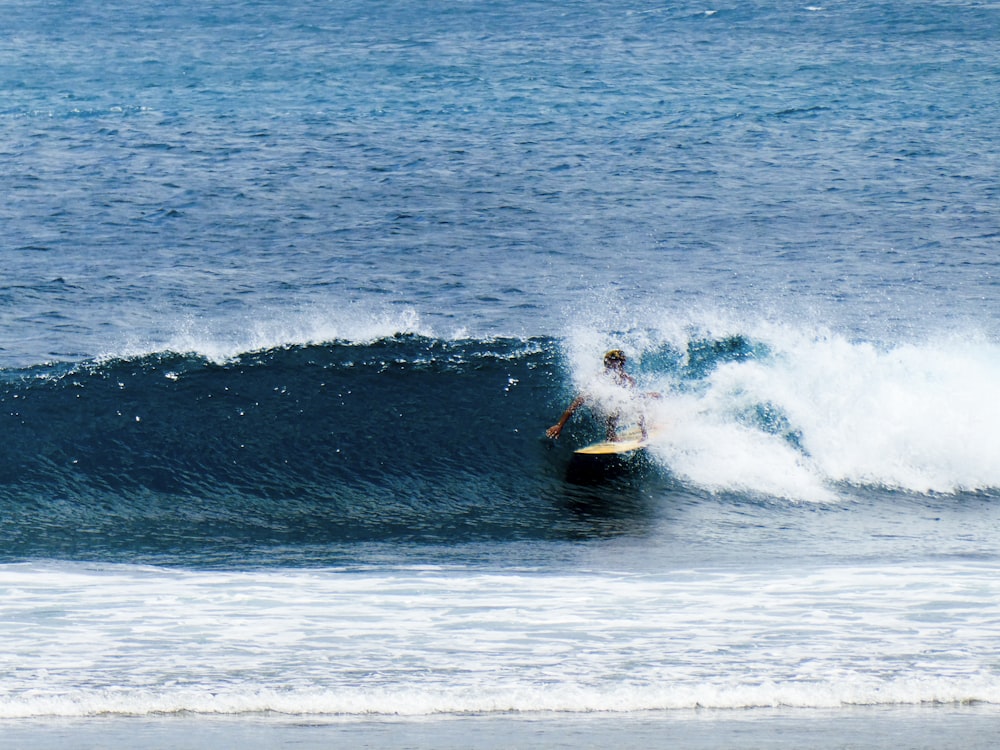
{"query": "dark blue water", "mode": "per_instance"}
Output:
(406, 439)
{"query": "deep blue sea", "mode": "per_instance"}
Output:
(291, 291)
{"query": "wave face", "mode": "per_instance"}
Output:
(405, 437)
(411, 438)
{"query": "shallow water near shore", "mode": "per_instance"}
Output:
(903, 728)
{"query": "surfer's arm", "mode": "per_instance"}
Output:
(554, 430)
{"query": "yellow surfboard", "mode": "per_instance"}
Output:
(628, 440)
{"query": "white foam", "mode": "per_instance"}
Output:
(919, 416)
(82, 641)
(220, 341)
(713, 451)
(567, 699)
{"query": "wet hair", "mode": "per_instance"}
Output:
(614, 355)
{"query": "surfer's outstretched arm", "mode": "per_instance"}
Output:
(554, 430)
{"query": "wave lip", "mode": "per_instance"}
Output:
(219, 345)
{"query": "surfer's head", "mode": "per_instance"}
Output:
(614, 358)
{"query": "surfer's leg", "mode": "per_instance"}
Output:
(613, 427)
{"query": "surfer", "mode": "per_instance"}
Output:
(614, 374)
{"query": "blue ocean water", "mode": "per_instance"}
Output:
(292, 290)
